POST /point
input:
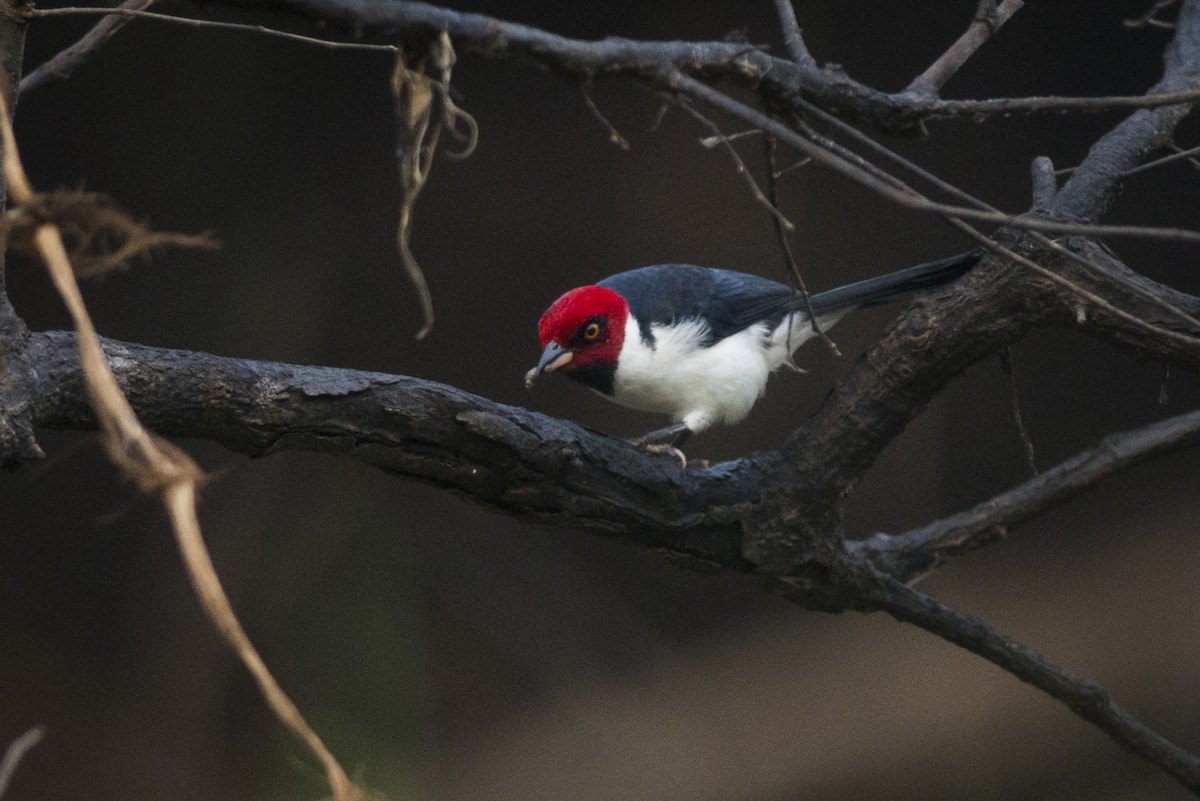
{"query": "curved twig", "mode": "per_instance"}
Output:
(1083, 698)
(15, 752)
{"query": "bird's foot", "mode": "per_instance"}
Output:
(674, 434)
(665, 450)
(795, 368)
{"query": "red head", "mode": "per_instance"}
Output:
(584, 328)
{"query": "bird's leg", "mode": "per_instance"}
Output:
(677, 434)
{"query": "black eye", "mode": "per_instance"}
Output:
(591, 331)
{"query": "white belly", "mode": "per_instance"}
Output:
(696, 385)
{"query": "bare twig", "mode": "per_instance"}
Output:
(773, 173)
(1083, 698)
(988, 19)
(1010, 371)
(955, 215)
(740, 166)
(701, 91)
(64, 63)
(829, 154)
(967, 198)
(1150, 17)
(180, 499)
(793, 39)
(614, 135)
(100, 237)
(15, 752)
(709, 142)
(125, 13)
(157, 467)
(1176, 156)
(980, 109)
(795, 165)
(914, 554)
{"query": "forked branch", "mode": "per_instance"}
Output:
(914, 554)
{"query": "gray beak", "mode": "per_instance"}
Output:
(553, 357)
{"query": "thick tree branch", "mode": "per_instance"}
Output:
(504, 456)
(915, 553)
(777, 80)
(949, 329)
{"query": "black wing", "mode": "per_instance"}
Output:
(732, 301)
(728, 300)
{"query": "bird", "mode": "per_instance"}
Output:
(698, 343)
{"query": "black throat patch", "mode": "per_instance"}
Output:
(599, 377)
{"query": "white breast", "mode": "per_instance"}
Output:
(701, 386)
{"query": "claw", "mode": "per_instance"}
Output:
(667, 450)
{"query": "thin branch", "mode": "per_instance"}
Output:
(793, 39)
(913, 554)
(911, 200)
(1010, 372)
(740, 166)
(15, 752)
(1149, 165)
(773, 174)
(892, 188)
(979, 109)
(1149, 18)
(180, 499)
(614, 135)
(66, 61)
(988, 19)
(1083, 698)
(128, 12)
(888, 186)
(1038, 168)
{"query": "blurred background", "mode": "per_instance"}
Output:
(447, 651)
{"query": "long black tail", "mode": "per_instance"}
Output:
(881, 289)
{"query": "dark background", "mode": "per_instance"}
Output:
(450, 652)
